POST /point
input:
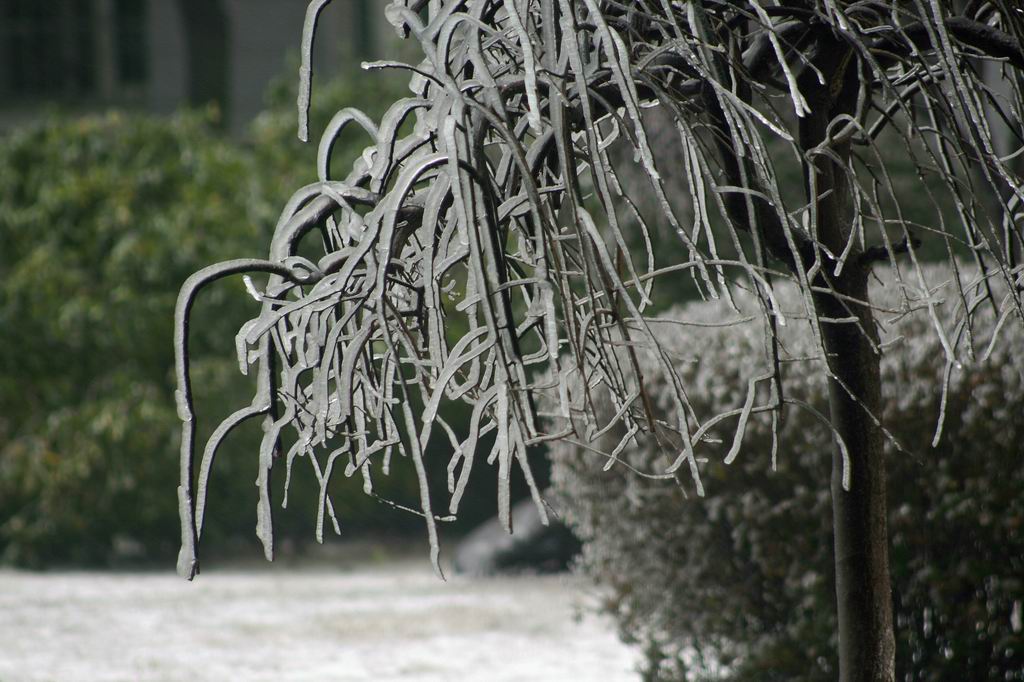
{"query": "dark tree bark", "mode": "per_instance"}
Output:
(863, 584)
(208, 41)
(861, 542)
(863, 592)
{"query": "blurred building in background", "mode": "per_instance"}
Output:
(159, 55)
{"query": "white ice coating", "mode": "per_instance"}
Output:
(509, 251)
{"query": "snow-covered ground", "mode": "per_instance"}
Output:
(379, 623)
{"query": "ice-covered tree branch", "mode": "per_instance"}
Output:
(504, 238)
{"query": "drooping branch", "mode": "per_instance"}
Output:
(488, 256)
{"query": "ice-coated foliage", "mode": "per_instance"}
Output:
(478, 250)
(744, 576)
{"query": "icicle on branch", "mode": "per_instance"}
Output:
(490, 256)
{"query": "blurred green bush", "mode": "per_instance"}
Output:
(739, 584)
(101, 219)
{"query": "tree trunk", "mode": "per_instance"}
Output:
(861, 542)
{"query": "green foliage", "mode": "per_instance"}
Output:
(98, 218)
(739, 585)
(101, 219)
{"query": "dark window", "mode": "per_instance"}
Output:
(364, 38)
(48, 47)
(132, 50)
(51, 49)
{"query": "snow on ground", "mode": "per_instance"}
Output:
(379, 623)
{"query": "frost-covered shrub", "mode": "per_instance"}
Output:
(739, 584)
